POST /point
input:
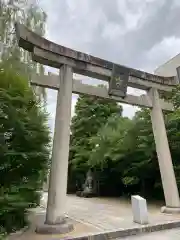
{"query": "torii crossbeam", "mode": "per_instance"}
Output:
(119, 77)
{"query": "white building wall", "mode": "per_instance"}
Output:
(168, 69)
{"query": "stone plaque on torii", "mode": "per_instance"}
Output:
(119, 77)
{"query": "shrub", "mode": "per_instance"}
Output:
(24, 149)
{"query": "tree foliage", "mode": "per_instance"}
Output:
(29, 14)
(90, 114)
(24, 135)
(123, 151)
(24, 149)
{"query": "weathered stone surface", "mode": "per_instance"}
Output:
(103, 218)
(51, 59)
(82, 88)
(119, 81)
(161, 235)
(28, 40)
(170, 210)
(90, 185)
(54, 229)
(139, 209)
(171, 193)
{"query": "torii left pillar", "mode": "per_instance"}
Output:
(56, 221)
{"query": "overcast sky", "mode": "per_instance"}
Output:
(138, 33)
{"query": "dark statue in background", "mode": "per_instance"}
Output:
(89, 187)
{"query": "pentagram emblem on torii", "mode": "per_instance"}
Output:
(118, 81)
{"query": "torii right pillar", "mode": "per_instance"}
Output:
(169, 183)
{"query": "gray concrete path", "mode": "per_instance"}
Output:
(173, 234)
(109, 214)
(97, 215)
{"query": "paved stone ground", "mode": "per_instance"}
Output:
(79, 229)
(110, 213)
(173, 234)
(91, 215)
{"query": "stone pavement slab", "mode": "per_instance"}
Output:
(79, 229)
(97, 215)
(173, 234)
(111, 213)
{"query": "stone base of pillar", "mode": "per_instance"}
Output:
(170, 210)
(60, 228)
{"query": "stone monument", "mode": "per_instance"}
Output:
(89, 187)
(139, 209)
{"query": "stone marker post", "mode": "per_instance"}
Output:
(139, 209)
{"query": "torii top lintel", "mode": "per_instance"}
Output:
(32, 42)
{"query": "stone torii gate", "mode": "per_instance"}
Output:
(119, 77)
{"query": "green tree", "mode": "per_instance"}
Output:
(127, 147)
(24, 149)
(112, 154)
(122, 150)
(90, 114)
(29, 14)
(143, 169)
